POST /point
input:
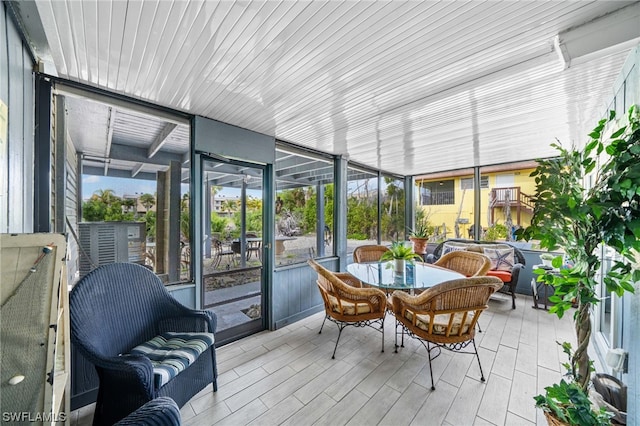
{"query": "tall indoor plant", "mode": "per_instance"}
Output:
(578, 219)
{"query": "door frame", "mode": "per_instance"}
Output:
(268, 215)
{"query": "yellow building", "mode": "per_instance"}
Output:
(447, 200)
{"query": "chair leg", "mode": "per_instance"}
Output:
(513, 298)
(382, 332)
(433, 386)
(322, 326)
(340, 327)
(478, 357)
(396, 337)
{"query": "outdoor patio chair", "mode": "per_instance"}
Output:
(220, 252)
(346, 302)
(254, 247)
(141, 340)
(368, 253)
(444, 316)
(468, 263)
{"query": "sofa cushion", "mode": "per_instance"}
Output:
(453, 246)
(504, 276)
(501, 259)
(170, 353)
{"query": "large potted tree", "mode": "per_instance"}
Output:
(578, 218)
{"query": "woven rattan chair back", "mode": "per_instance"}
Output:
(368, 253)
(346, 302)
(445, 315)
(468, 263)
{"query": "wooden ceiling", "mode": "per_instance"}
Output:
(409, 87)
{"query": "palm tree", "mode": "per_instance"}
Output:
(228, 206)
(105, 195)
(214, 191)
(148, 201)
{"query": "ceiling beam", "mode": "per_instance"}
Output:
(137, 169)
(120, 173)
(161, 139)
(139, 155)
(602, 36)
(68, 90)
(111, 119)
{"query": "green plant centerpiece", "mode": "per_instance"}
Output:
(579, 220)
(420, 234)
(400, 253)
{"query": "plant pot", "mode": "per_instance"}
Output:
(399, 265)
(419, 244)
(553, 420)
(547, 262)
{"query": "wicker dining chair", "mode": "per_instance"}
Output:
(444, 316)
(368, 253)
(346, 302)
(468, 263)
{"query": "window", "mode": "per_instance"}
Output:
(393, 199)
(437, 193)
(362, 207)
(122, 221)
(304, 205)
(467, 183)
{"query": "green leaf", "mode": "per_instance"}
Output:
(618, 132)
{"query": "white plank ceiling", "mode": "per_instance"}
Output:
(409, 87)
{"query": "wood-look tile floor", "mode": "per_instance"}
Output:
(287, 376)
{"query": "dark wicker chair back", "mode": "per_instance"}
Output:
(118, 306)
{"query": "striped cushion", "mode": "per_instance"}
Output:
(170, 353)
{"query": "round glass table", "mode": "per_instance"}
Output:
(416, 275)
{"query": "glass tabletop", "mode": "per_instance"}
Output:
(416, 275)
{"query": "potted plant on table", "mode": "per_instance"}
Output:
(546, 259)
(419, 236)
(580, 220)
(400, 253)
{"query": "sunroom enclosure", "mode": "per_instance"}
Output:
(184, 157)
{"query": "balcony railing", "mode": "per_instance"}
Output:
(438, 198)
(517, 200)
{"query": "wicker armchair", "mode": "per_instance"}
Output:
(444, 316)
(346, 302)
(162, 411)
(468, 263)
(509, 278)
(121, 314)
(368, 253)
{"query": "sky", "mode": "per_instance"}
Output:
(136, 187)
(120, 186)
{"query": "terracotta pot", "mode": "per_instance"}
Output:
(419, 244)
